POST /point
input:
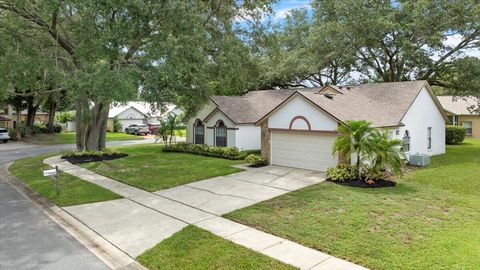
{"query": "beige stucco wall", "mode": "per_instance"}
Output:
(475, 119)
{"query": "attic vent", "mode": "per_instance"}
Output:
(329, 96)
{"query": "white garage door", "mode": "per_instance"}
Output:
(312, 151)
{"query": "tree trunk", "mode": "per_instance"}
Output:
(358, 165)
(51, 117)
(18, 110)
(91, 125)
(31, 112)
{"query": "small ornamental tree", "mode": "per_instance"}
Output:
(356, 138)
(387, 155)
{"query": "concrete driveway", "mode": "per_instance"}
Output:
(224, 194)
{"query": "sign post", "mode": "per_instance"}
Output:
(56, 175)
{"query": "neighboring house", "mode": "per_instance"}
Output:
(459, 114)
(8, 117)
(137, 112)
(298, 127)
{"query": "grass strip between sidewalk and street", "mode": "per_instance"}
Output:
(73, 190)
(195, 248)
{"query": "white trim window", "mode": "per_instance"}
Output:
(198, 132)
(406, 141)
(468, 127)
(429, 138)
(220, 134)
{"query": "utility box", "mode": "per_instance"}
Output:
(419, 160)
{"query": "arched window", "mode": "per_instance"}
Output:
(198, 132)
(406, 141)
(220, 134)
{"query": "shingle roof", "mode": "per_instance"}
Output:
(457, 105)
(383, 104)
(141, 106)
(252, 106)
(3, 119)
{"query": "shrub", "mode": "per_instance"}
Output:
(105, 152)
(63, 117)
(454, 134)
(24, 131)
(341, 172)
(117, 125)
(58, 128)
(205, 150)
(245, 153)
(11, 133)
(39, 129)
(256, 160)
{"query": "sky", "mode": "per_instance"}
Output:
(283, 8)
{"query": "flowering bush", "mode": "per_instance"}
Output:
(256, 160)
(341, 172)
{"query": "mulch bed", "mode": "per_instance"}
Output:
(91, 158)
(380, 183)
(257, 166)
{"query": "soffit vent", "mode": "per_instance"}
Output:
(328, 95)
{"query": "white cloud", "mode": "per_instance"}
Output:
(284, 12)
(454, 40)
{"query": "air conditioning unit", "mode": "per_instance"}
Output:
(419, 160)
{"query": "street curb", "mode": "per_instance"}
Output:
(108, 253)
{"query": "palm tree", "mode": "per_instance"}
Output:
(168, 128)
(356, 138)
(387, 154)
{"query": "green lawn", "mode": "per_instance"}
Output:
(69, 137)
(431, 220)
(148, 168)
(194, 248)
(73, 190)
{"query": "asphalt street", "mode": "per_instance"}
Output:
(29, 239)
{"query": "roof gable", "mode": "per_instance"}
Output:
(120, 110)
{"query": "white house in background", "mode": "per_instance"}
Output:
(298, 127)
(137, 112)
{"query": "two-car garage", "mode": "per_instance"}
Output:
(300, 149)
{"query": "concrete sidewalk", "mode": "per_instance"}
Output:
(142, 219)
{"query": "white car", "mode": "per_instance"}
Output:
(4, 135)
(138, 129)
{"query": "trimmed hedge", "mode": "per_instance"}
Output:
(210, 151)
(454, 134)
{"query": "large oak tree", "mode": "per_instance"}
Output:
(166, 51)
(382, 41)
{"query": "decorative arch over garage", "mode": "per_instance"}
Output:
(299, 120)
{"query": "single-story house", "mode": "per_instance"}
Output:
(8, 117)
(298, 127)
(459, 111)
(137, 112)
